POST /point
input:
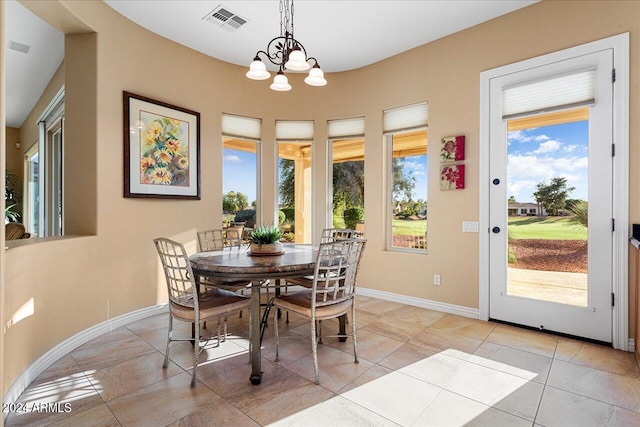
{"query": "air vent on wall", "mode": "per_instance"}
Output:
(19, 47)
(224, 18)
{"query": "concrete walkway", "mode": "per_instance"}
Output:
(554, 286)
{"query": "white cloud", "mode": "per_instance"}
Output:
(548, 147)
(232, 158)
(416, 167)
(521, 190)
(522, 136)
(526, 171)
(569, 148)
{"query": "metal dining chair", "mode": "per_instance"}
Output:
(331, 295)
(328, 235)
(187, 303)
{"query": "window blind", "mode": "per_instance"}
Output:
(406, 118)
(344, 128)
(289, 130)
(243, 127)
(557, 93)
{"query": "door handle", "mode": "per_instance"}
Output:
(496, 181)
(496, 230)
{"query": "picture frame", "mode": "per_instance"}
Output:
(452, 177)
(161, 149)
(452, 149)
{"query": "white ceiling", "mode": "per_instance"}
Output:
(342, 35)
(27, 75)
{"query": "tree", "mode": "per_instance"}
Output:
(286, 187)
(234, 202)
(553, 196)
(511, 199)
(348, 184)
(403, 180)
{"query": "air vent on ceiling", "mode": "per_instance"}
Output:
(225, 19)
(19, 47)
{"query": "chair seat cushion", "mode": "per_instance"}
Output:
(305, 281)
(213, 303)
(300, 302)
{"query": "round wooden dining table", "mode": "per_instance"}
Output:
(237, 264)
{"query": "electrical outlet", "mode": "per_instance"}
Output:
(436, 279)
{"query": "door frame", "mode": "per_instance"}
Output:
(620, 285)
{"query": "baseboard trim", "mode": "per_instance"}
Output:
(70, 344)
(459, 310)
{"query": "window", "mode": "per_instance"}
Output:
(33, 191)
(294, 140)
(406, 133)
(346, 144)
(240, 168)
(44, 167)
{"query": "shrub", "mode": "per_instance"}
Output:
(281, 217)
(289, 236)
(580, 213)
(248, 216)
(353, 216)
(289, 214)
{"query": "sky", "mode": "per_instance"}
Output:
(239, 173)
(418, 165)
(540, 154)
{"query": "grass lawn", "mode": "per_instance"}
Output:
(553, 228)
(402, 227)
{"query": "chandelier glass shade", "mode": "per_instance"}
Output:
(288, 54)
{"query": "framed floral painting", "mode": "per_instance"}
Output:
(452, 149)
(161, 149)
(451, 177)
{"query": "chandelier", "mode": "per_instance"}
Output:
(288, 54)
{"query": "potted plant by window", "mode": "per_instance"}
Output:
(266, 241)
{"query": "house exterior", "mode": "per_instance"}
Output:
(105, 266)
(525, 209)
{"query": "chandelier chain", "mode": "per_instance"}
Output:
(281, 18)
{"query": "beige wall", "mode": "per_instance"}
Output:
(78, 282)
(14, 155)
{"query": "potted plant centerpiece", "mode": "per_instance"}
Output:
(266, 241)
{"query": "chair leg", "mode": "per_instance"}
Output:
(250, 346)
(224, 337)
(196, 353)
(319, 331)
(353, 326)
(166, 353)
(218, 331)
(275, 330)
(314, 350)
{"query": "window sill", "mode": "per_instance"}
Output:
(12, 244)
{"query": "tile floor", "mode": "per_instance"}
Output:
(417, 367)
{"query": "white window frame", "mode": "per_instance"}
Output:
(251, 131)
(295, 131)
(396, 121)
(340, 130)
(49, 122)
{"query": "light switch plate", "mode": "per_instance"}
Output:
(470, 226)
